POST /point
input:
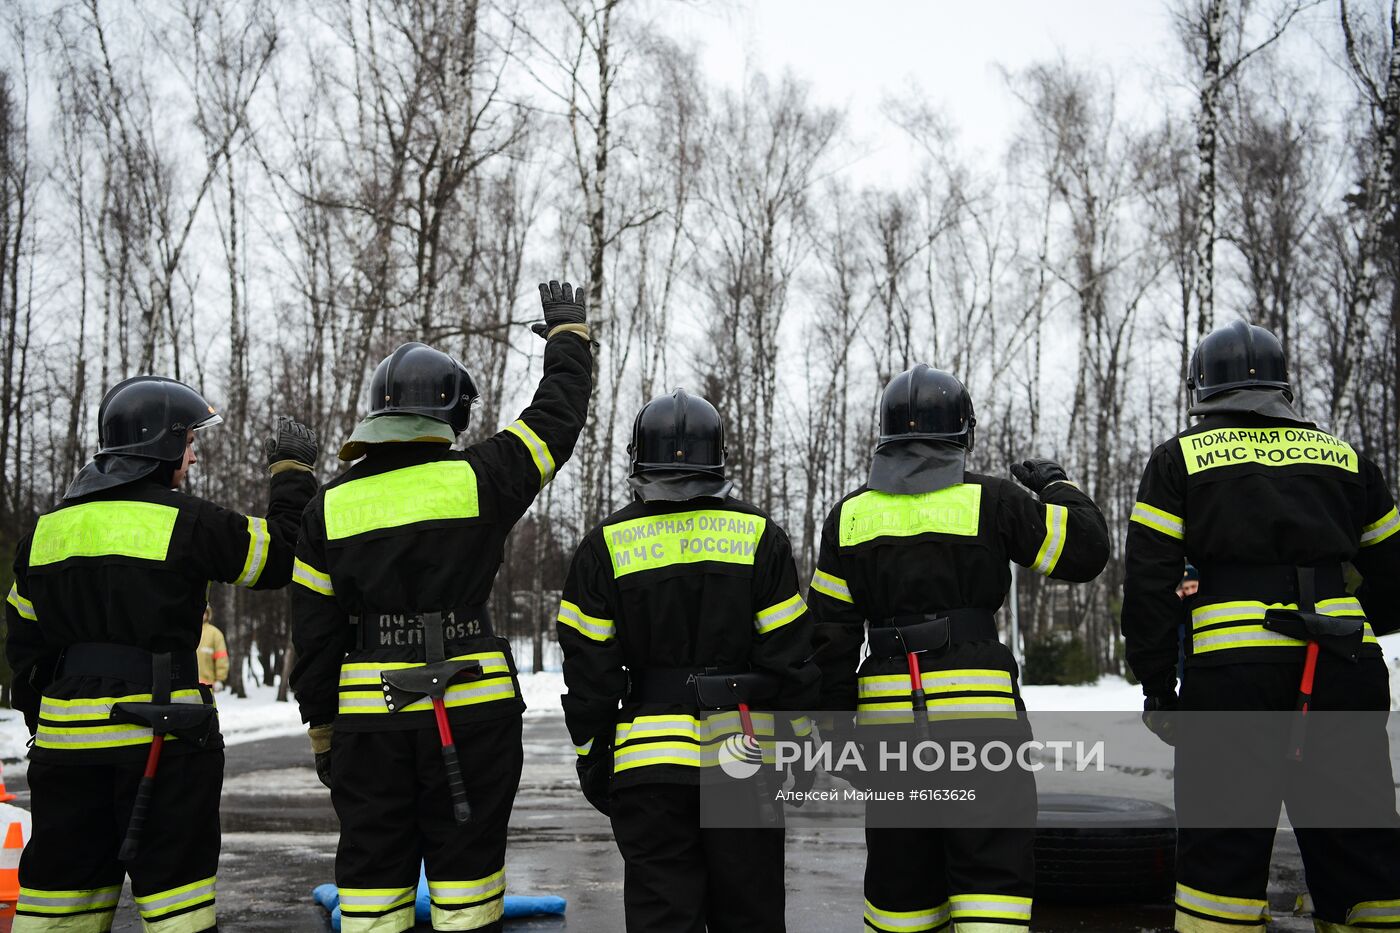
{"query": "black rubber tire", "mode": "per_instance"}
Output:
(1104, 850)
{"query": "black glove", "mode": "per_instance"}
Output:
(562, 305)
(293, 441)
(1159, 715)
(1037, 473)
(323, 768)
(594, 778)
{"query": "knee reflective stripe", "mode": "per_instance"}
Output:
(362, 691)
(311, 578)
(1221, 910)
(258, 541)
(1056, 527)
(186, 909)
(829, 584)
(1382, 528)
(376, 910)
(1374, 914)
(1239, 624)
(23, 606)
(84, 722)
(996, 911)
(1191, 923)
(906, 921)
(86, 911)
(1158, 520)
(539, 450)
(779, 615)
(586, 625)
(467, 905)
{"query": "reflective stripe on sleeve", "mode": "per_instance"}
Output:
(1158, 520)
(1056, 521)
(584, 749)
(831, 585)
(1382, 528)
(311, 578)
(583, 623)
(539, 450)
(779, 615)
(258, 542)
(23, 606)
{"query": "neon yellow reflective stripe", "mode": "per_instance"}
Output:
(376, 910)
(371, 699)
(801, 726)
(970, 680)
(396, 921)
(478, 889)
(311, 578)
(1158, 520)
(586, 625)
(258, 542)
(1190, 923)
(906, 921)
(683, 538)
(1269, 447)
(1382, 528)
(467, 918)
(162, 902)
(37, 901)
(1218, 905)
(1375, 912)
(779, 615)
(991, 906)
(104, 529)
(467, 905)
(1056, 528)
(428, 492)
(584, 749)
(700, 730)
(539, 450)
(366, 673)
(955, 510)
(81, 708)
(831, 585)
(23, 606)
(358, 899)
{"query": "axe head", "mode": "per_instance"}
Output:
(410, 684)
(1339, 635)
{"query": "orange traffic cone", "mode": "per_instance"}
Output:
(9, 869)
(5, 795)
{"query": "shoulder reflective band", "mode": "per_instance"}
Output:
(586, 625)
(931, 918)
(831, 585)
(1001, 909)
(23, 606)
(1158, 520)
(779, 615)
(1270, 447)
(38, 902)
(424, 493)
(311, 578)
(951, 511)
(1382, 528)
(104, 529)
(467, 905)
(1237, 909)
(1056, 528)
(683, 538)
(539, 450)
(258, 541)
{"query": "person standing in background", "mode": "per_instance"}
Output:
(213, 654)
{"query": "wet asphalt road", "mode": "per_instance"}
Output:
(280, 835)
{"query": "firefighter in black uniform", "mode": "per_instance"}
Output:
(1268, 508)
(921, 552)
(394, 647)
(104, 618)
(684, 581)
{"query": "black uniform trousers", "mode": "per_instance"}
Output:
(680, 878)
(69, 874)
(1353, 875)
(390, 792)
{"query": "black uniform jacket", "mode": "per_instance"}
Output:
(1236, 494)
(679, 586)
(420, 527)
(885, 556)
(130, 566)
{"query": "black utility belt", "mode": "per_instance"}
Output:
(1269, 583)
(703, 688)
(127, 662)
(407, 629)
(931, 633)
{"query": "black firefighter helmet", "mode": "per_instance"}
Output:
(417, 380)
(1237, 356)
(677, 432)
(148, 416)
(924, 403)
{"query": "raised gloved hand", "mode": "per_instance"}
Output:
(1159, 715)
(562, 305)
(1037, 473)
(293, 446)
(321, 748)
